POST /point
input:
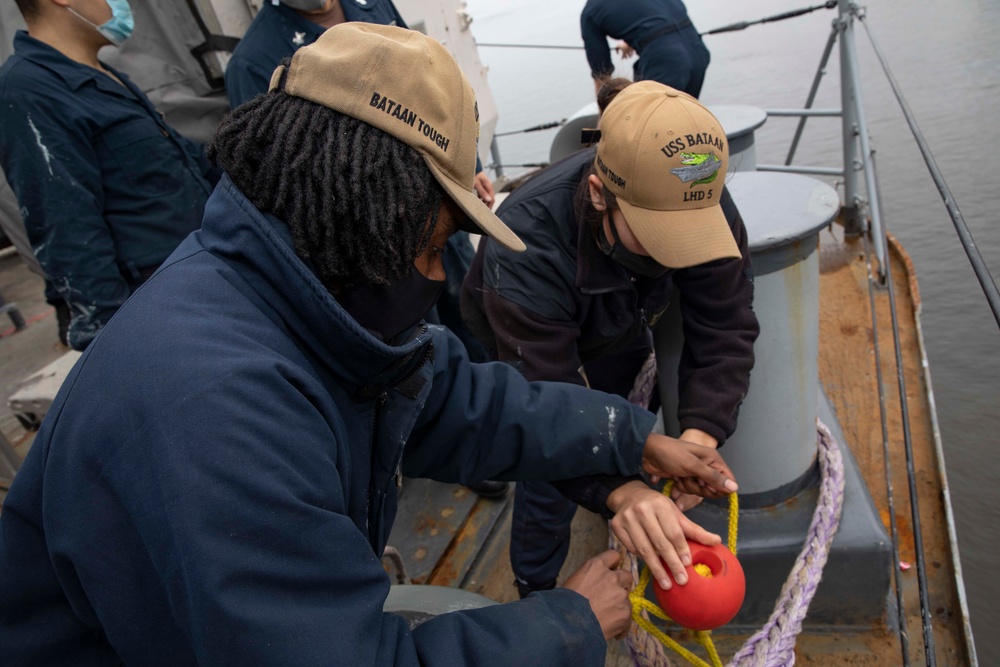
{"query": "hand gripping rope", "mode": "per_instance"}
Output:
(774, 644)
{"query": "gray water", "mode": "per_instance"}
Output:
(945, 58)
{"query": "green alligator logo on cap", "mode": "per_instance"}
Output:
(703, 168)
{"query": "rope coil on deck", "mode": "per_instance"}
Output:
(774, 644)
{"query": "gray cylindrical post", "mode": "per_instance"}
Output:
(740, 122)
(853, 222)
(775, 443)
(13, 313)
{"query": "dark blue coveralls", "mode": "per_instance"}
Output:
(670, 49)
(277, 32)
(106, 188)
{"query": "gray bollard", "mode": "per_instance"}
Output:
(740, 121)
(418, 603)
(774, 446)
(773, 451)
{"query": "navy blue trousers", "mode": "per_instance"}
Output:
(540, 529)
(678, 60)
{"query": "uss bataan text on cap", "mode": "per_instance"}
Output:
(665, 156)
(407, 85)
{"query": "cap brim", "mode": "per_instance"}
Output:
(679, 239)
(478, 212)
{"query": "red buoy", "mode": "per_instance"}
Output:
(714, 591)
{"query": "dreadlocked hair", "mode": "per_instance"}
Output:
(361, 205)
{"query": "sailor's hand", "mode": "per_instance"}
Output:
(484, 188)
(653, 528)
(687, 492)
(607, 591)
(684, 501)
(695, 468)
(625, 50)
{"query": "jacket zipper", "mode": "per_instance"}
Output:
(376, 414)
(428, 353)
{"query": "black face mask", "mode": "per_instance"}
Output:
(390, 310)
(644, 266)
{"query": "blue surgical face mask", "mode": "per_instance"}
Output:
(119, 27)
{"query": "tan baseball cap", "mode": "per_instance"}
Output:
(407, 85)
(664, 156)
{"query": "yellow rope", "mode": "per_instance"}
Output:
(640, 603)
(734, 520)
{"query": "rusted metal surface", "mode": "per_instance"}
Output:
(466, 548)
(847, 371)
(430, 515)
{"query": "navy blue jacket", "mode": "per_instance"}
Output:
(277, 32)
(106, 188)
(563, 302)
(670, 49)
(215, 481)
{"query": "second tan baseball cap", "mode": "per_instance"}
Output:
(407, 85)
(665, 156)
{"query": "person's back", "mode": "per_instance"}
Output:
(669, 47)
(106, 188)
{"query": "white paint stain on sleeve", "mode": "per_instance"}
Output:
(43, 147)
(612, 418)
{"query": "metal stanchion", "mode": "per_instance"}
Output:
(13, 313)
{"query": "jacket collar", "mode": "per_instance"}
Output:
(234, 230)
(75, 74)
(292, 24)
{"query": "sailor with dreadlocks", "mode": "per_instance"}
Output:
(281, 28)
(217, 478)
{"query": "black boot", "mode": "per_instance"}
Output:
(489, 488)
(63, 317)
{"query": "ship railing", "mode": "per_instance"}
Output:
(863, 216)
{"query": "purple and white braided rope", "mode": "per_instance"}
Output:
(774, 644)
